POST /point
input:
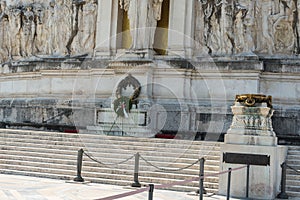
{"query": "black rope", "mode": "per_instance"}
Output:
(165, 169)
(105, 164)
(295, 170)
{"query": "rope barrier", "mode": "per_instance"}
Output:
(168, 185)
(197, 178)
(109, 164)
(295, 170)
(165, 169)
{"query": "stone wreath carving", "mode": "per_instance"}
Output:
(252, 100)
(123, 104)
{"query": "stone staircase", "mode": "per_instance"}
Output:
(54, 155)
(293, 178)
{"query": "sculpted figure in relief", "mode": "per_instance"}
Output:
(39, 40)
(239, 30)
(15, 28)
(4, 32)
(227, 39)
(265, 42)
(49, 31)
(143, 16)
(87, 27)
(283, 27)
(27, 31)
(243, 27)
(211, 34)
(62, 26)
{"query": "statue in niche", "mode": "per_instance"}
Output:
(15, 28)
(143, 16)
(4, 32)
(27, 31)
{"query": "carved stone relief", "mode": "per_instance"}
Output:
(247, 27)
(54, 28)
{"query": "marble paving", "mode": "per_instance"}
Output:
(14, 187)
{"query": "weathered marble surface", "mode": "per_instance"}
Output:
(56, 27)
(239, 26)
(229, 27)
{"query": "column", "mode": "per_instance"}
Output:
(181, 28)
(107, 23)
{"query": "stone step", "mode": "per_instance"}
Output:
(93, 137)
(106, 141)
(54, 155)
(97, 171)
(293, 188)
(292, 177)
(102, 157)
(294, 148)
(293, 152)
(72, 146)
(293, 162)
(73, 150)
(295, 182)
(169, 167)
(293, 157)
(293, 195)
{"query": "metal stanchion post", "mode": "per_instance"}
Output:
(151, 189)
(228, 184)
(247, 181)
(283, 194)
(136, 171)
(201, 180)
(79, 178)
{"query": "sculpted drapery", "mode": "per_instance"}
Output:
(143, 16)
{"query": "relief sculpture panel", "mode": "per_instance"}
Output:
(234, 27)
(31, 28)
(52, 28)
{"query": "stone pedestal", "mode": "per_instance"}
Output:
(251, 133)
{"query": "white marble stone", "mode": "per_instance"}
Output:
(264, 181)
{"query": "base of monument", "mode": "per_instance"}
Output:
(250, 140)
(264, 181)
(127, 54)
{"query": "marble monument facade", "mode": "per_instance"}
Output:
(56, 54)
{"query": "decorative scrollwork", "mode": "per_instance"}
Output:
(252, 100)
